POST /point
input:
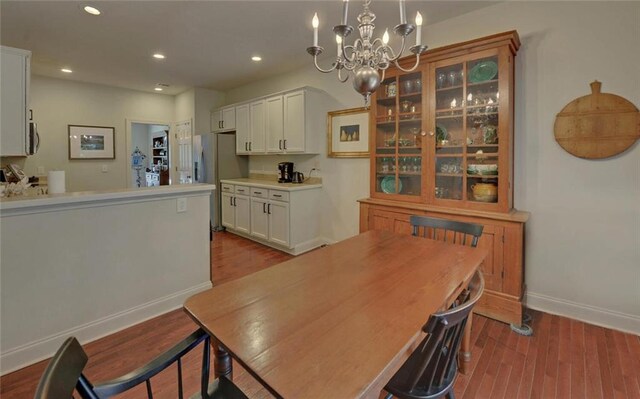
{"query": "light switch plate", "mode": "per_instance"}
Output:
(182, 205)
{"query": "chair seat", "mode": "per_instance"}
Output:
(222, 388)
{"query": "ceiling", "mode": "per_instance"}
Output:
(206, 43)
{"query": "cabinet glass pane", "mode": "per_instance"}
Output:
(399, 135)
(482, 102)
(450, 132)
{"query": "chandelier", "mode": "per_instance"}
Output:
(367, 57)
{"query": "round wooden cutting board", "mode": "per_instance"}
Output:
(599, 125)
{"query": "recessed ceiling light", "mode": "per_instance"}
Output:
(66, 70)
(256, 58)
(158, 89)
(92, 10)
(159, 56)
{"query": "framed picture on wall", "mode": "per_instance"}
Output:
(348, 133)
(91, 142)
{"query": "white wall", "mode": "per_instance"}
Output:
(583, 239)
(57, 103)
(344, 180)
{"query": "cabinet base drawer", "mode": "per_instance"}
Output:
(500, 307)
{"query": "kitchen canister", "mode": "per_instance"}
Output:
(55, 182)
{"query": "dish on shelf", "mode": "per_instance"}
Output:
(441, 133)
(483, 71)
(484, 192)
(482, 169)
(388, 185)
(490, 134)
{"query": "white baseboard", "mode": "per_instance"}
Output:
(587, 313)
(35, 351)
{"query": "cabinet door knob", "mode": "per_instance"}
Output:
(264, 207)
(284, 143)
(431, 133)
(269, 209)
(279, 144)
(249, 146)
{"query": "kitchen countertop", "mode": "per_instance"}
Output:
(37, 203)
(272, 184)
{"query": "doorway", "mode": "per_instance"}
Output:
(150, 158)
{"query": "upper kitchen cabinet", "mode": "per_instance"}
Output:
(223, 120)
(243, 134)
(283, 123)
(15, 72)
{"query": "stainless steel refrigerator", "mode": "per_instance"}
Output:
(215, 159)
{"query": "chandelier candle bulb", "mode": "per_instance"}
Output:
(385, 37)
(418, 29)
(403, 13)
(339, 46)
(345, 11)
(315, 23)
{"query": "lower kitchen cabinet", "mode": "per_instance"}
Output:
(228, 211)
(259, 218)
(279, 223)
(284, 219)
(236, 212)
(242, 210)
(502, 237)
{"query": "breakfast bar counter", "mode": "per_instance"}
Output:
(88, 264)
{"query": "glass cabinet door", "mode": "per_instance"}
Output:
(398, 146)
(466, 131)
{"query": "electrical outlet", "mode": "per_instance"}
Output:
(105, 168)
(182, 205)
(40, 171)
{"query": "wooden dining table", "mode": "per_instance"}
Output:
(336, 322)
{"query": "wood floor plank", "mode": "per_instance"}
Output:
(563, 382)
(603, 358)
(481, 367)
(551, 369)
(626, 365)
(617, 379)
(537, 383)
(526, 383)
(593, 386)
(577, 360)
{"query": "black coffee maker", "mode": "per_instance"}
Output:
(285, 172)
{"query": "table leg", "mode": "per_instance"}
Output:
(464, 357)
(222, 363)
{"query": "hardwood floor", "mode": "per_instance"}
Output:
(564, 359)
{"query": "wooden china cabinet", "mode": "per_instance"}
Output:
(442, 146)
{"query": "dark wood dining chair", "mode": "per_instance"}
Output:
(64, 373)
(431, 370)
(446, 230)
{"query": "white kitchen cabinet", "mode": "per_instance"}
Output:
(283, 217)
(278, 222)
(242, 129)
(294, 122)
(275, 124)
(243, 216)
(228, 211)
(223, 119)
(259, 218)
(283, 123)
(14, 125)
(257, 126)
